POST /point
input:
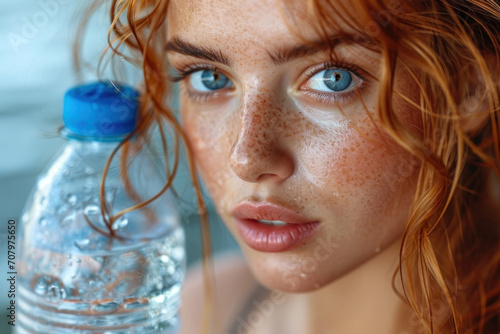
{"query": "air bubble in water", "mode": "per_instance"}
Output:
(56, 292)
(42, 221)
(89, 170)
(41, 286)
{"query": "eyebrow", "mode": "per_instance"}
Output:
(188, 49)
(288, 53)
(280, 56)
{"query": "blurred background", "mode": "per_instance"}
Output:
(36, 69)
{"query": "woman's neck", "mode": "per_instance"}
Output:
(363, 301)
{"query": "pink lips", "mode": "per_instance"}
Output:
(268, 238)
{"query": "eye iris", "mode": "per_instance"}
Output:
(213, 80)
(337, 79)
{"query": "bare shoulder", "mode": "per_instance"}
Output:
(234, 284)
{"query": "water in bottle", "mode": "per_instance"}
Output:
(80, 271)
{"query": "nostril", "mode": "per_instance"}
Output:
(258, 163)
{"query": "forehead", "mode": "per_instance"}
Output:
(263, 22)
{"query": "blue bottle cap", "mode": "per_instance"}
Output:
(100, 109)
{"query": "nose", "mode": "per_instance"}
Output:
(260, 150)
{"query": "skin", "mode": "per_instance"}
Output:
(269, 137)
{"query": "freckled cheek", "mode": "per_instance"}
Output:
(365, 166)
(210, 140)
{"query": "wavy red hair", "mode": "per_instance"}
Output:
(450, 252)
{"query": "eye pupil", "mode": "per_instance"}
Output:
(213, 80)
(337, 80)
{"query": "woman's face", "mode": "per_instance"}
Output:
(275, 126)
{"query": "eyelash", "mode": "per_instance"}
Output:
(188, 70)
(321, 97)
(337, 97)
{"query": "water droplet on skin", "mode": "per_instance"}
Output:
(302, 275)
(82, 244)
(377, 250)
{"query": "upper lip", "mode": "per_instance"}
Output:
(268, 211)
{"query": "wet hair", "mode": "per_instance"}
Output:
(450, 250)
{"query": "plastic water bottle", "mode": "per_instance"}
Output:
(80, 271)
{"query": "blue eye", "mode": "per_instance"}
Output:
(332, 79)
(208, 80)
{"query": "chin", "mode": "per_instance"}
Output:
(290, 281)
(289, 273)
(302, 271)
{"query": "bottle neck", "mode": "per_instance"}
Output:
(74, 137)
(97, 143)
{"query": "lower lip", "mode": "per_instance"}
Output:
(269, 238)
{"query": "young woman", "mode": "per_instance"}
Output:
(351, 148)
